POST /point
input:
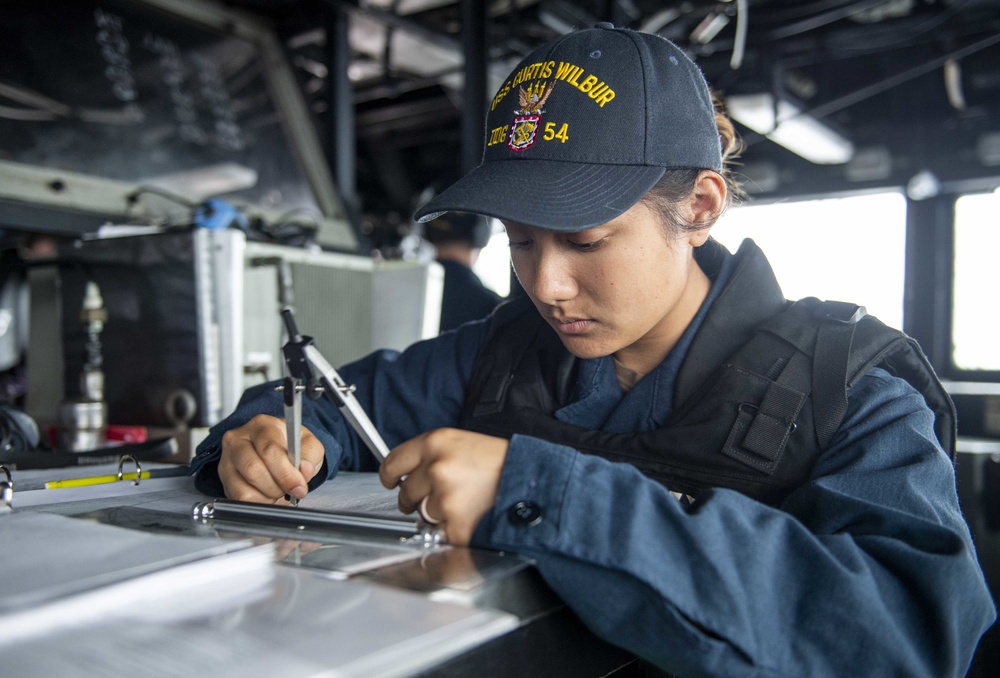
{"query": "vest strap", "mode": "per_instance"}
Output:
(760, 433)
(834, 340)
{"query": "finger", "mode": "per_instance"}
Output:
(412, 491)
(312, 455)
(244, 476)
(265, 466)
(274, 454)
(283, 548)
(309, 546)
(237, 487)
(250, 454)
(308, 470)
(402, 461)
(428, 514)
(412, 464)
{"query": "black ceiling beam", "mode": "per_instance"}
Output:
(341, 150)
(475, 50)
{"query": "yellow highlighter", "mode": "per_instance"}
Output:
(114, 478)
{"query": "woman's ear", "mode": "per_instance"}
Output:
(705, 204)
(708, 197)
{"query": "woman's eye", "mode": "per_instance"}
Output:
(588, 246)
(519, 244)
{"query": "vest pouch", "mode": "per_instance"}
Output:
(762, 428)
(749, 414)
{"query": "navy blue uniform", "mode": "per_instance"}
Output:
(867, 568)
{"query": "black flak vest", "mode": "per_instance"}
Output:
(753, 407)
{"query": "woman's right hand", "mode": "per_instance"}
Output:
(255, 466)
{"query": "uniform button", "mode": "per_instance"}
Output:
(525, 513)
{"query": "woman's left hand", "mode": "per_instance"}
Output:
(457, 471)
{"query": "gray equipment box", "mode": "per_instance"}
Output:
(194, 318)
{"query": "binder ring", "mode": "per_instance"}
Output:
(7, 488)
(138, 469)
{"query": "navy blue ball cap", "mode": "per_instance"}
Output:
(583, 128)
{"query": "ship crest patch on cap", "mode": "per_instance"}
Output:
(528, 116)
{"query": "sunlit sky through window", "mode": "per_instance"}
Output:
(975, 320)
(842, 249)
(493, 265)
(847, 249)
(852, 249)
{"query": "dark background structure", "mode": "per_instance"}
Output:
(913, 84)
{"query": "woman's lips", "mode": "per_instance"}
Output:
(572, 325)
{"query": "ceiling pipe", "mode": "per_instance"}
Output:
(830, 107)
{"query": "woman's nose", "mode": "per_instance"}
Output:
(554, 279)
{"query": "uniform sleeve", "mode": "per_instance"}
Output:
(867, 569)
(404, 394)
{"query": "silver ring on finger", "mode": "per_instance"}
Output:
(424, 514)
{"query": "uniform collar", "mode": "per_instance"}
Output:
(750, 296)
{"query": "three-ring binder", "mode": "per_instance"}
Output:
(7, 486)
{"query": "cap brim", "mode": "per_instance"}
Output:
(550, 194)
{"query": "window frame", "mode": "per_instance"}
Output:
(928, 307)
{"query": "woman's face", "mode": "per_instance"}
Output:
(624, 288)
